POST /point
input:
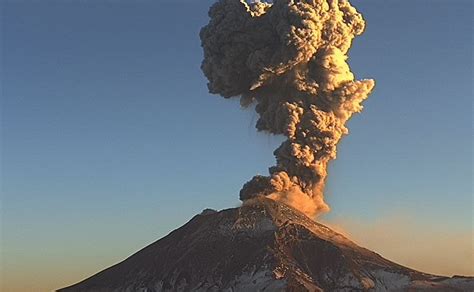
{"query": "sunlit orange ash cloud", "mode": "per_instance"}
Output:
(289, 58)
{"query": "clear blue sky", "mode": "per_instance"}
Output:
(110, 138)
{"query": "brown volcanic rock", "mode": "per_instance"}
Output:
(261, 246)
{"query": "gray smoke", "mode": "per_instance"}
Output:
(289, 58)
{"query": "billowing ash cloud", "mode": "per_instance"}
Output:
(289, 58)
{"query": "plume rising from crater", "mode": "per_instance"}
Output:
(289, 57)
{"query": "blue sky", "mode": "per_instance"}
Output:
(110, 139)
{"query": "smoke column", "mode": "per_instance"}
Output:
(288, 57)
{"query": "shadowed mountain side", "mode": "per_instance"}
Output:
(262, 246)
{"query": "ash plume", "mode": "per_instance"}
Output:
(288, 57)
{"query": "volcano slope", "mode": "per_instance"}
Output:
(262, 246)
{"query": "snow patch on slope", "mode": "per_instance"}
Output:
(388, 281)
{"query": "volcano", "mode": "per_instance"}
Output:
(262, 246)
